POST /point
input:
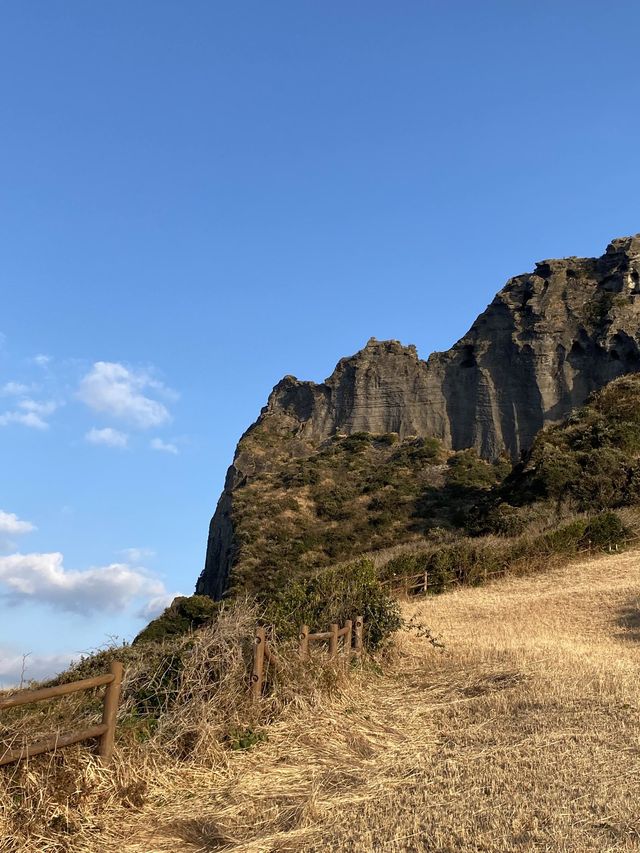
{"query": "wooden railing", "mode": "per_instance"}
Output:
(407, 583)
(351, 635)
(105, 731)
(348, 633)
(415, 584)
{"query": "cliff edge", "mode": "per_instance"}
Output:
(547, 340)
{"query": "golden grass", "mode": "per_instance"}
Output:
(523, 734)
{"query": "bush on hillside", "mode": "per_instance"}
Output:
(469, 561)
(591, 461)
(606, 530)
(504, 519)
(184, 614)
(335, 595)
(468, 471)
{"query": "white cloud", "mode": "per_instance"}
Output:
(17, 669)
(28, 419)
(110, 437)
(155, 606)
(114, 389)
(42, 360)
(30, 413)
(39, 408)
(14, 389)
(12, 525)
(137, 555)
(165, 446)
(42, 578)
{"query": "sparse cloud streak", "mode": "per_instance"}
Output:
(163, 446)
(107, 436)
(30, 413)
(135, 556)
(14, 389)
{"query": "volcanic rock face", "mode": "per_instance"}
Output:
(548, 339)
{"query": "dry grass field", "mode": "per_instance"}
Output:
(522, 734)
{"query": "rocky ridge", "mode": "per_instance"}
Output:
(547, 340)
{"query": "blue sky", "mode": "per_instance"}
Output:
(196, 199)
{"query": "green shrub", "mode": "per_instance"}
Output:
(592, 460)
(184, 614)
(240, 738)
(388, 438)
(469, 561)
(150, 690)
(404, 565)
(334, 504)
(417, 450)
(557, 471)
(504, 520)
(566, 539)
(334, 595)
(468, 471)
(597, 310)
(356, 442)
(606, 529)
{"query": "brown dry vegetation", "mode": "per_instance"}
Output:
(306, 506)
(523, 734)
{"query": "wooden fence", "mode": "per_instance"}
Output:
(411, 583)
(351, 635)
(105, 731)
(419, 583)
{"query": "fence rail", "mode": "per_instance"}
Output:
(105, 731)
(351, 635)
(420, 582)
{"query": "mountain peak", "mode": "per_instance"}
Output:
(547, 340)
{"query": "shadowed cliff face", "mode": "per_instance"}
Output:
(548, 339)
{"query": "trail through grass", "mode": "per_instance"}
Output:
(523, 734)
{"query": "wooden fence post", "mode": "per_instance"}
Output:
(348, 638)
(259, 642)
(333, 640)
(426, 581)
(359, 638)
(303, 646)
(109, 711)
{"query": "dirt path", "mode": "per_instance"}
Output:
(523, 734)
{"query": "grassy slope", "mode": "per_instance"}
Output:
(298, 513)
(306, 507)
(523, 733)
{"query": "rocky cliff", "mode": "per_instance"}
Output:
(548, 339)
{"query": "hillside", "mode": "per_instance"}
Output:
(348, 495)
(591, 461)
(547, 340)
(309, 506)
(522, 733)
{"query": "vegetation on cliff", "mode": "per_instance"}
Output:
(308, 507)
(352, 494)
(591, 461)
